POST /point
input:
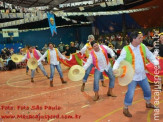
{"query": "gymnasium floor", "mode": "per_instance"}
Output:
(23, 101)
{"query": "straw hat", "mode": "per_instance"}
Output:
(21, 56)
(76, 73)
(32, 63)
(16, 58)
(1, 62)
(125, 73)
(160, 34)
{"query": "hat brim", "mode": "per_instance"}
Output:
(1, 62)
(16, 58)
(76, 73)
(124, 81)
(32, 65)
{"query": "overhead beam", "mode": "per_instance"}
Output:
(33, 3)
(51, 7)
(20, 2)
(48, 3)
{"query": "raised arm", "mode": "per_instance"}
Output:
(60, 55)
(109, 50)
(121, 58)
(43, 56)
(88, 63)
(25, 57)
(151, 57)
(83, 49)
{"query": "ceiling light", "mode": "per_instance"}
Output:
(81, 8)
(103, 4)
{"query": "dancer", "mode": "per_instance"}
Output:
(136, 54)
(87, 48)
(53, 56)
(99, 58)
(32, 52)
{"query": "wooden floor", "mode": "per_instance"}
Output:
(23, 101)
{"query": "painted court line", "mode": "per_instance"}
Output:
(85, 106)
(150, 112)
(51, 120)
(70, 112)
(29, 86)
(135, 90)
(99, 100)
(116, 110)
(39, 94)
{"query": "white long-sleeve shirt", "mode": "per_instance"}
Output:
(102, 63)
(31, 54)
(53, 56)
(83, 50)
(139, 65)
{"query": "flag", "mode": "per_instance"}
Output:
(52, 24)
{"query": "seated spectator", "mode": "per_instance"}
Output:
(67, 50)
(45, 48)
(72, 48)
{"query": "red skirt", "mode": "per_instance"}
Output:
(153, 70)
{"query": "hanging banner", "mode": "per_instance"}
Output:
(52, 24)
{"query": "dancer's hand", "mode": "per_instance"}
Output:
(158, 67)
(116, 72)
(113, 58)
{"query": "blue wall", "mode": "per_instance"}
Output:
(40, 38)
(83, 33)
(15, 46)
(103, 23)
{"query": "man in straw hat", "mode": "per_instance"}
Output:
(31, 52)
(99, 58)
(88, 48)
(136, 54)
(53, 56)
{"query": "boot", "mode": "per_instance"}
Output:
(32, 80)
(37, 70)
(150, 105)
(51, 83)
(126, 112)
(82, 87)
(63, 81)
(47, 76)
(103, 84)
(96, 97)
(110, 92)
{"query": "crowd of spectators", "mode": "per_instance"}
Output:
(115, 41)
